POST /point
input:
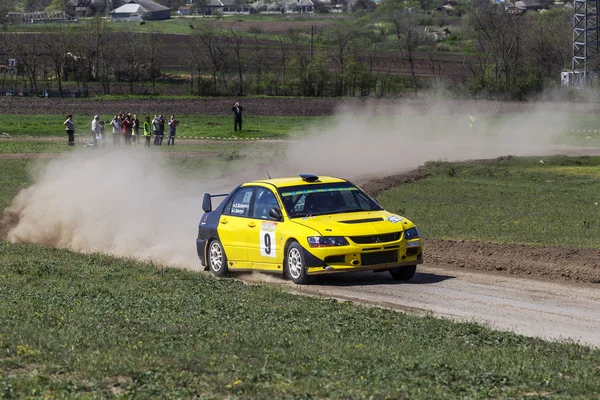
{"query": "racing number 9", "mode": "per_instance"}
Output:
(267, 242)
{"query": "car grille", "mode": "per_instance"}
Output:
(388, 237)
(381, 257)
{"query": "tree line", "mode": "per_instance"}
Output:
(383, 53)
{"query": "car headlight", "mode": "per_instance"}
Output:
(327, 241)
(412, 233)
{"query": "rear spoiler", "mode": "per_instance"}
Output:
(207, 203)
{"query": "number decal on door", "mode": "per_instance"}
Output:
(267, 239)
(267, 243)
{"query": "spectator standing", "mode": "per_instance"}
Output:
(473, 124)
(237, 116)
(156, 128)
(136, 130)
(95, 130)
(102, 136)
(116, 130)
(147, 131)
(161, 124)
(127, 129)
(172, 130)
(70, 127)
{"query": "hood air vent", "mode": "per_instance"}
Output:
(362, 221)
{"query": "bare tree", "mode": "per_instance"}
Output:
(343, 36)
(284, 58)
(500, 36)
(152, 56)
(27, 49)
(236, 43)
(130, 51)
(208, 41)
(54, 46)
(410, 38)
(548, 42)
(258, 56)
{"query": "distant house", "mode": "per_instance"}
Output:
(138, 10)
(185, 10)
(224, 7)
(306, 6)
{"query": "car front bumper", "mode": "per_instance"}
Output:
(326, 260)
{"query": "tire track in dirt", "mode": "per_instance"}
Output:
(532, 307)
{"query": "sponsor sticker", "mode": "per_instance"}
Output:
(413, 244)
(395, 218)
(204, 219)
(268, 226)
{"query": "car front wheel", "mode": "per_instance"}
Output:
(217, 261)
(403, 273)
(294, 264)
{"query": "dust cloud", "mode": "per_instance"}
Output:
(132, 204)
(374, 142)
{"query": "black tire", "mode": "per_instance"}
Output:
(216, 258)
(295, 268)
(403, 273)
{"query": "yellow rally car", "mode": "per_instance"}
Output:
(303, 226)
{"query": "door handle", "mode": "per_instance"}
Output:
(224, 220)
(251, 224)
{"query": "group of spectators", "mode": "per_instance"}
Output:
(128, 129)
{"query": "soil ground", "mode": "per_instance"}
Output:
(276, 106)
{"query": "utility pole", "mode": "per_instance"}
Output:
(312, 35)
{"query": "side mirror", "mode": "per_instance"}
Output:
(206, 203)
(275, 213)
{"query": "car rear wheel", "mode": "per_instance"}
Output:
(403, 273)
(217, 261)
(294, 264)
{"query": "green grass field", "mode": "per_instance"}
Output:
(175, 25)
(190, 125)
(581, 131)
(89, 326)
(516, 200)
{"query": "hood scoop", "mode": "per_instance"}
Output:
(362, 221)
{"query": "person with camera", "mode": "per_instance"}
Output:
(237, 119)
(116, 130)
(70, 129)
(172, 130)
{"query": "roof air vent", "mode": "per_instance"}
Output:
(309, 178)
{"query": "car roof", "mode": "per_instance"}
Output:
(295, 181)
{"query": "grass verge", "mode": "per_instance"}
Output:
(550, 201)
(80, 325)
(14, 177)
(190, 125)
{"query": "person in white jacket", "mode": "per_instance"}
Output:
(95, 130)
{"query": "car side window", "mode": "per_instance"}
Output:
(239, 205)
(265, 200)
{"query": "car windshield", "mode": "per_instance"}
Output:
(325, 198)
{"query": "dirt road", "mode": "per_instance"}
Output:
(546, 309)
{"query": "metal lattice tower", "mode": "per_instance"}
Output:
(586, 40)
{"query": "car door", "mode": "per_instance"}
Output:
(264, 244)
(234, 224)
